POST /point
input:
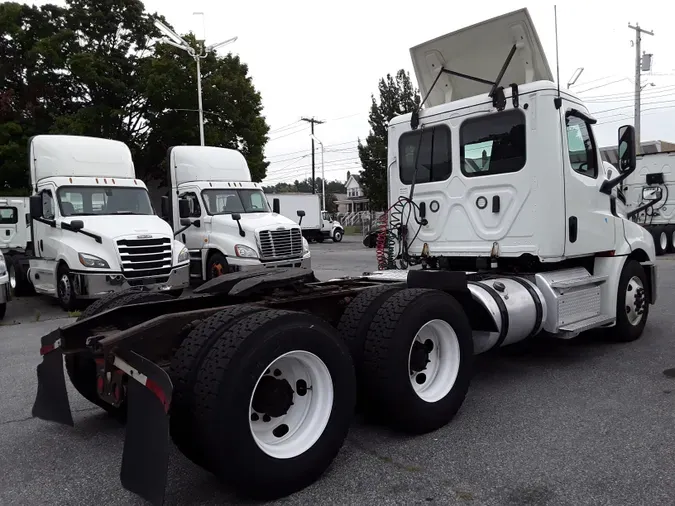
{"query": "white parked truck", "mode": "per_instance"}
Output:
(316, 224)
(16, 242)
(223, 217)
(5, 293)
(93, 228)
(650, 198)
(497, 194)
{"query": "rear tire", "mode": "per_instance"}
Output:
(418, 360)
(3, 308)
(268, 464)
(670, 233)
(81, 367)
(632, 304)
(184, 370)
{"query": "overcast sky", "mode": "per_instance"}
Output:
(324, 59)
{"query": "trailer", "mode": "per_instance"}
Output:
(650, 198)
(502, 227)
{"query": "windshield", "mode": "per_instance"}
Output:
(103, 200)
(228, 201)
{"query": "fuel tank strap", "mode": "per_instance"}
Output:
(537, 304)
(502, 311)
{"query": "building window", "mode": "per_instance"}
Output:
(493, 144)
(431, 151)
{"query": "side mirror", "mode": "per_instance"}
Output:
(166, 212)
(276, 206)
(76, 225)
(35, 203)
(236, 216)
(627, 155)
(183, 208)
(301, 213)
(185, 222)
(652, 193)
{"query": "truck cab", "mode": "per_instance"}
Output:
(224, 217)
(505, 175)
(93, 228)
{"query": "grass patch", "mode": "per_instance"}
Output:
(352, 230)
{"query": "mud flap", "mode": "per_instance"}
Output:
(146, 445)
(51, 401)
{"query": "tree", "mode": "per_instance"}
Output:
(95, 68)
(397, 96)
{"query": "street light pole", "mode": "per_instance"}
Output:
(173, 39)
(323, 172)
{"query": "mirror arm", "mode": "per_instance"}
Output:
(646, 206)
(182, 229)
(66, 226)
(607, 185)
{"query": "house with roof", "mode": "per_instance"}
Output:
(355, 201)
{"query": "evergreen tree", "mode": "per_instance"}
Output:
(397, 96)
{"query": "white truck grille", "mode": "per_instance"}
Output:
(280, 244)
(143, 258)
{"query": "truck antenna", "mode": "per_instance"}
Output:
(557, 101)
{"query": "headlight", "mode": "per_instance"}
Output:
(3, 265)
(184, 255)
(244, 251)
(92, 261)
(305, 245)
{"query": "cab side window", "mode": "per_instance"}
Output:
(195, 208)
(47, 205)
(581, 147)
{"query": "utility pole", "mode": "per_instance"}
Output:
(312, 121)
(638, 87)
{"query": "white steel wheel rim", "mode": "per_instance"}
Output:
(338, 235)
(66, 288)
(307, 417)
(663, 240)
(634, 300)
(435, 381)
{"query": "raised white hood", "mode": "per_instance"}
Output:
(480, 50)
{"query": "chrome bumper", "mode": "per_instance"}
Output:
(244, 264)
(94, 286)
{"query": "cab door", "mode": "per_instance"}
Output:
(194, 237)
(589, 220)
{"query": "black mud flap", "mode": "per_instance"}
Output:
(146, 445)
(51, 401)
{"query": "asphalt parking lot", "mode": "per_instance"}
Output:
(571, 423)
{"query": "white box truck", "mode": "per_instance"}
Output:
(650, 198)
(316, 224)
(93, 229)
(515, 228)
(223, 216)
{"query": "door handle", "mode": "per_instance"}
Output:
(495, 203)
(574, 228)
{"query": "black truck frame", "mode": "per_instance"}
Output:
(140, 339)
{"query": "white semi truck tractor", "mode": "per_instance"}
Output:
(93, 228)
(224, 218)
(497, 198)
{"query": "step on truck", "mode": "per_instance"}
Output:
(316, 224)
(223, 217)
(93, 230)
(498, 204)
(16, 242)
(650, 198)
